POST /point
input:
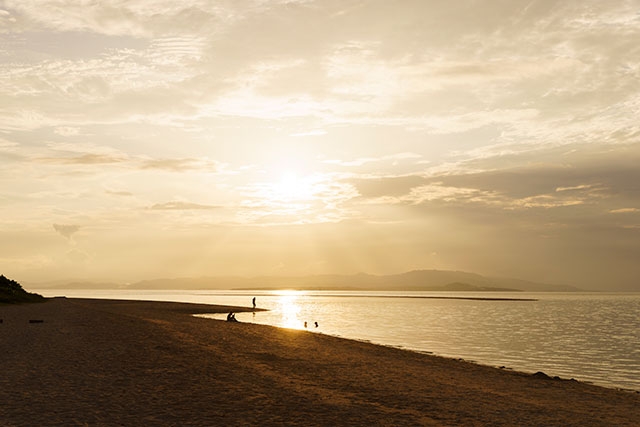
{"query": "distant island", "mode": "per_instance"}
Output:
(11, 292)
(417, 280)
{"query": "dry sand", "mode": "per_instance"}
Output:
(111, 363)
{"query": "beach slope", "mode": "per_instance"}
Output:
(109, 362)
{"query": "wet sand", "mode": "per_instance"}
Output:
(132, 363)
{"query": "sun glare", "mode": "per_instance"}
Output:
(291, 186)
(292, 195)
(289, 309)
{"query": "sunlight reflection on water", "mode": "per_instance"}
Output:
(290, 310)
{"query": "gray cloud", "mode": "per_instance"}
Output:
(393, 186)
(66, 230)
(582, 186)
(606, 170)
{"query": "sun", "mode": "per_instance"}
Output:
(291, 186)
(292, 194)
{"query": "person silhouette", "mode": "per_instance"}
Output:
(254, 302)
(305, 324)
(315, 323)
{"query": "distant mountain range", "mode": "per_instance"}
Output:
(418, 280)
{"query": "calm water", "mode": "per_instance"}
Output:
(590, 337)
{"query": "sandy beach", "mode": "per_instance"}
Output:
(132, 363)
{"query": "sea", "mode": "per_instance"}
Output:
(590, 337)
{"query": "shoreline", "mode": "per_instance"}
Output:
(105, 362)
(539, 374)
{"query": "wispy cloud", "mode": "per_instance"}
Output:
(85, 159)
(119, 193)
(179, 165)
(315, 132)
(181, 206)
(575, 187)
(364, 160)
(624, 210)
(140, 18)
(7, 145)
(67, 131)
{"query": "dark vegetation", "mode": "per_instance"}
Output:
(12, 293)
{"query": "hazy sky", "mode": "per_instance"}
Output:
(143, 139)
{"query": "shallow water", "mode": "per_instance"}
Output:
(590, 337)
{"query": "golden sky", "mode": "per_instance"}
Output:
(143, 139)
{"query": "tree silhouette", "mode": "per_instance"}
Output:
(11, 292)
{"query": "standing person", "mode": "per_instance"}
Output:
(254, 303)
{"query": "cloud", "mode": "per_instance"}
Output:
(76, 256)
(393, 186)
(624, 210)
(79, 149)
(587, 179)
(152, 84)
(28, 263)
(119, 193)
(315, 132)
(66, 230)
(140, 18)
(575, 187)
(6, 18)
(360, 69)
(85, 159)
(364, 160)
(67, 131)
(8, 145)
(180, 206)
(179, 165)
